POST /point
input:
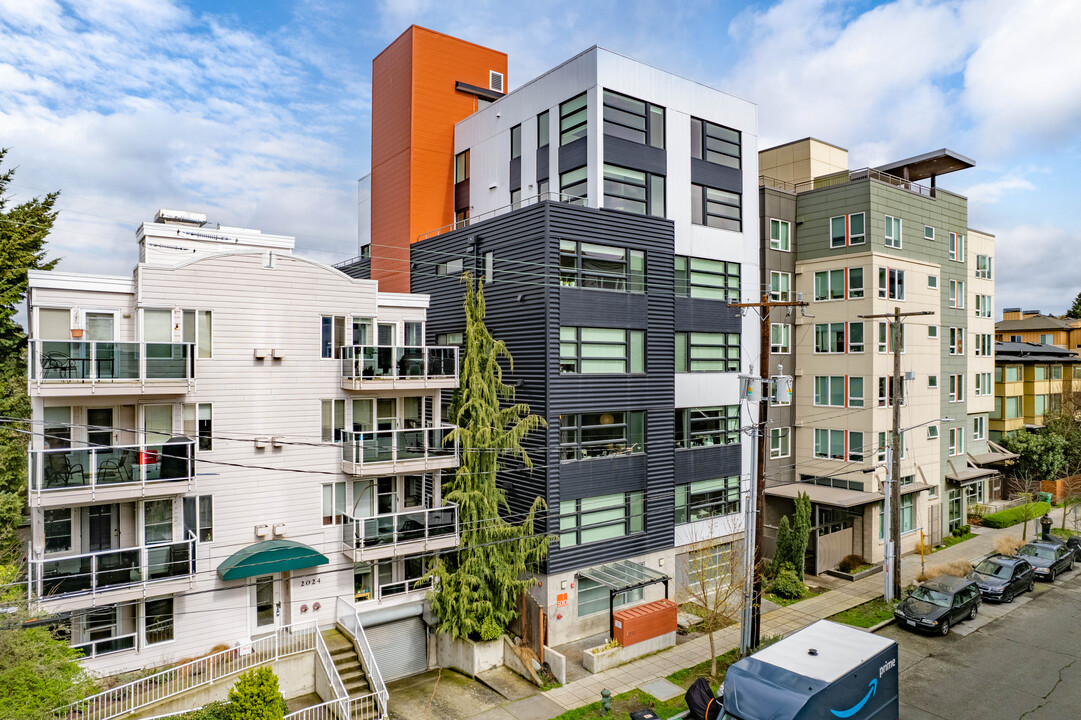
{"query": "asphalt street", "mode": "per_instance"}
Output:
(1024, 664)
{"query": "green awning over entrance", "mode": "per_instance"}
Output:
(270, 556)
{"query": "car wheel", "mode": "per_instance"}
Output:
(944, 629)
(972, 615)
(1032, 584)
(1051, 577)
(1071, 565)
(1008, 596)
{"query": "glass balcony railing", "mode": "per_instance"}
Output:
(100, 466)
(390, 446)
(407, 526)
(385, 362)
(95, 648)
(402, 587)
(109, 569)
(79, 361)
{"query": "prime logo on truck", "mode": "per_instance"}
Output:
(826, 671)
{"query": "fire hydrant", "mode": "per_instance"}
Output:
(606, 702)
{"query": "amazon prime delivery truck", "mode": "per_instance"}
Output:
(826, 671)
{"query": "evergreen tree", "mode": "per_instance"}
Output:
(255, 696)
(792, 538)
(1075, 309)
(480, 585)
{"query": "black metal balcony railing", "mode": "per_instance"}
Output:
(393, 362)
(94, 467)
(89, 361)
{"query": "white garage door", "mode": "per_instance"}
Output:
(400, 648)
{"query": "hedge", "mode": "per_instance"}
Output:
(1006, 518)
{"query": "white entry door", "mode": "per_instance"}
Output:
(265, 604)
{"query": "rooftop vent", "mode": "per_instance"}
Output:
(495, 81)
(180, 217)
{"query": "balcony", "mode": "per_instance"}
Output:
(76, 476)
(131, 569)
(401, 533)
(110, 368)
(391, 452)
(378, 367)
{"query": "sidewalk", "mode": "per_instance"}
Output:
(782, 621)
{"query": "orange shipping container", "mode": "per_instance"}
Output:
(633, 625)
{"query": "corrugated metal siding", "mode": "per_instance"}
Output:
(572, 155)
(717, 176)
(359, 268)
(515, 173)
(636, 156)
(699, 315)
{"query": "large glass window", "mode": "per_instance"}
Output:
(715, 143)
(830, 337)
(709, 279)
(592, 435)
(633, 191)
(700, 427)
(601, 350)
(461, 166)
(601, 267)
(593, 597)
(893, 232)
(707, 498)
(573, 120)
(780, 232)
(830, 390)
(332, 336)
(333, 503)
(572, 186)
(634, 120)
(891, 283)
(847, 230)
(199, 517)
(58, 530)
(601, 517)
(707, 352)
(830, 285)
(198, 329)
(716, 208)
(780, 338)
(158, 521)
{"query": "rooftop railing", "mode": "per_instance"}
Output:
(376, 448)
(378, 363)
(844, 177)
(97, 467)
(95, 361)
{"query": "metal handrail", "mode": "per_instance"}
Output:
(397, 362)
(132, 696)
(143, 457)
(340, 693)
(71, 361)
(339, 709)
(95, 579)
(383, 446)
(349, 619)
(355, 534)
(531, 200)
(847, 176)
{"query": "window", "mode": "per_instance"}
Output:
(893, 232)
(1013, 407)
(1039, 405)
(542, 129)
(855, 392)
(932, 281)
(633, 191)
(198, 423)
(516, 198)
(891, 283)
(199, 517)
(601, 267)
(489, 270)
(957, 294)
(932, 432)
(1013, 373)
(847, 230)
(516, 142)
(334, 503)
(907, 513)
(830, 390)
(602, 517)
(780, 232)
(461, 166)
(594, 597)
(983, 306)
(957, 247)
(983, 345)
(333, 420)
(780, 337)
(830, 285)
(780, 285)
(158, 521)
(601, 350)
(932, 381)
(855, 337)
(573, 119)
(715, 143)
(707, 498)
(932, 332)
(1056, 372)
(701, 427)
(885, 392)
(830, 444)
(708, 279)
(716, 208)
(979, 428)
(634, 120)
(572, 186)
(928, 233)
(58, 530)
(592, 435)
(830, 337)
(883, 448)
(780, 443)
(333, 336)
(451, 267)
(886, 335)
(707, 352)
(957, 388)
(198, 329)
(855, 283)
(957, 341)
(983, 266)
(983, 384)
(1047, 338)
(957, 441)
(158, 620)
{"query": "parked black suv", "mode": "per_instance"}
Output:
(938, 604)
(1048, 557)
(1003, 577)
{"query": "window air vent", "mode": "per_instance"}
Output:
(495, 81)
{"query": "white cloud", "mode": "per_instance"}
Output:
(1037, 268)
(993, 191)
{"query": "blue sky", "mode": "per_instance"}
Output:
(258, 112)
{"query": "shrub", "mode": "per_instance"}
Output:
(961, 531)
(1006, 518)
(1008, 545)
(849, 563)
(256, 697)
(792, 539)
(786, 584)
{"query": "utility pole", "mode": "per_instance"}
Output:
(893, 503)
(759, 500)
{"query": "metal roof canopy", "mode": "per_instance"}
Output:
(623, 576)
(928, 165)
(269, 556)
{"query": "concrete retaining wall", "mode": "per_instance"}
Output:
(558, 663)
(599, 662)
(466, 656)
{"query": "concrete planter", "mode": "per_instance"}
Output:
(606, 659)
(467, 656)
(852, 578)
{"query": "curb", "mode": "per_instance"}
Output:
(884, 623)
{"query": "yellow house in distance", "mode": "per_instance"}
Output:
(1030, 381)
(1029, 326)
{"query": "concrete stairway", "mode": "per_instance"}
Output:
(346, 662)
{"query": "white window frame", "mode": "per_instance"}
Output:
(884, 274)
(785, 346)
(775, 243)
(979, 428)
(777, 438)
(892, 233)
(957, 341)
(780, 295)
(928, 235)
(957, 294)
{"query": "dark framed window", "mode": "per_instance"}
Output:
(633, 191)
(707, 352)
(709, 279)
(332, 336)
(542, 129)
(702, 427)
(601, 267)
(634, 120)
(715, 143)
(716, 208)
(593, 435)
(158, 620)
(601, 517)
(516, 142)
(573, 119)
(199, 517)
(573, 187)
(587, 350)
(707, 498)
(461, 166)
(58, 530)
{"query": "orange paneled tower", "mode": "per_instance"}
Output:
(422, 84)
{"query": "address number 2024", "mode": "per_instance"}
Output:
(310, 581)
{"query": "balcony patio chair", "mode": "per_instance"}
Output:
(119, 470)
(59, 472)
(55, 364)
